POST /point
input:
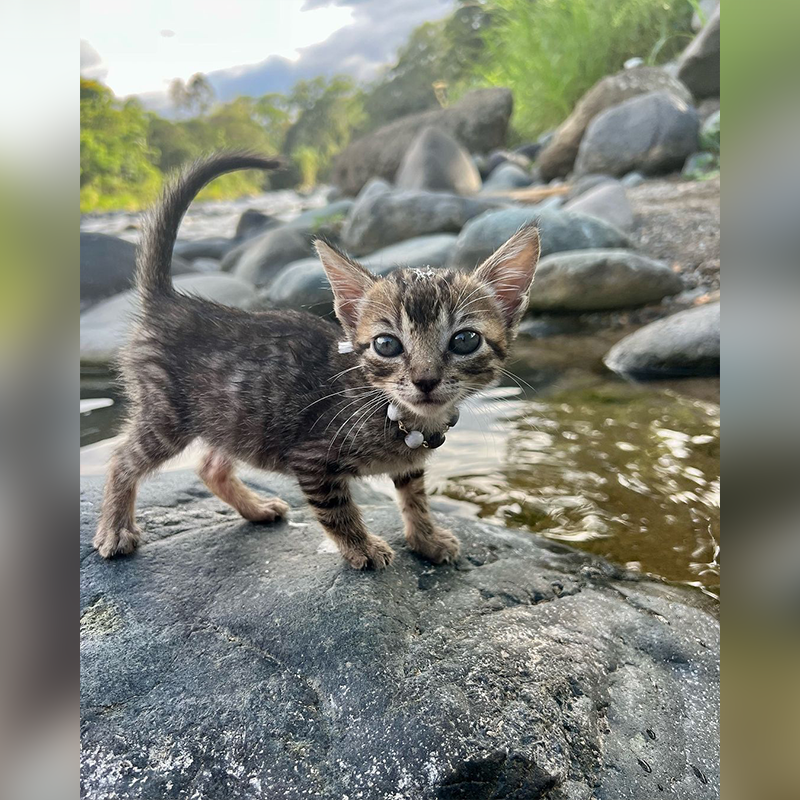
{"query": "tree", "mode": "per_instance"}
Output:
(195, 97)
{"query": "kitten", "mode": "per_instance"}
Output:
(279, 390)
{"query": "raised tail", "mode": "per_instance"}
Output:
(154, 259)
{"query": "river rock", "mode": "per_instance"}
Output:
(216, 247)
(583, 183)
(608, 201)
(421, 251)
(108, 265)
(300, 285)
(304, 284)
(231, 660)
(560, 230)
(687, 343)
(598, 280)
(104, 328)
(437, 162)
(263, 257)
(478, 121)
(698, 65)
(558, 156)
(507, 176)
(323, 220)
(498, 157)
(651, 133)
(253, 222)
(381, 219)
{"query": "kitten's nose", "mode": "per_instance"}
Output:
(427, 385)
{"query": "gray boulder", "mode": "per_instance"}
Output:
(687, 343)
(583, 183)
(229, 660)
(478, 121)
(608, 201)
(216, 247)
(381, 219)
(560, 230)
(436, 161)
(304, 284)
(507, 176)
(558, 156)
(698, 65)
(264, 256)
(597, 280)
(652, 133)
(320, 220)
(104, 328)
(253, 222)
(421, 251)
(108, 265)
(498, 157)
(301, 285)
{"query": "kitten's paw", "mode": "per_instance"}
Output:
(440, 547)
(110, 542)
(268, 510)
(373, 553)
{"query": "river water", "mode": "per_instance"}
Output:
(564, 450)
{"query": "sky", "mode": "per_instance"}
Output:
(243, 46)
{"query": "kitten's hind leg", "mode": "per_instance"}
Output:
(217, 472)
(143, 450)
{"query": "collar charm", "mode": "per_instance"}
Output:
(415, 439)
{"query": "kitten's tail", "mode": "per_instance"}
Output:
(154, 259)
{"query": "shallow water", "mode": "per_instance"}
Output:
(564, 450)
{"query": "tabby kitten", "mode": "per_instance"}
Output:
(282, 391)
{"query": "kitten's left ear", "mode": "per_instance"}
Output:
(510, 270)
(349, 281)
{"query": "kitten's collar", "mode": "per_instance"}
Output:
(414, 438)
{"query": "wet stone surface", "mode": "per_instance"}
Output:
(231, 660)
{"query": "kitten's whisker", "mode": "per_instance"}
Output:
(334, 394)
(357, 411)
(365, 420)
(361, 398)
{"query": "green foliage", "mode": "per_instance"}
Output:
(117, 168)
(550, 52)
(434, 66)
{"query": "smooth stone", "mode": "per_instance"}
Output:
(421, 251)
(607, 201)
(435, 161)
(266, 255)
(232, 660)
(684, 344)
(699, 64)
(324, 220)
(597, 280)
(105, 327)
(632, 180)
(652, 133)
(108, 265)
(558, 156)
(560, 230)
(479, 121)
(583, 183)
(254, 222)
(507, 176)
(216, 247)
(385, 218)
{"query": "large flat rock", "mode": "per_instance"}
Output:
(226, 659)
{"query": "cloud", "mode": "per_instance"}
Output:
(92, 64)
(359, 49)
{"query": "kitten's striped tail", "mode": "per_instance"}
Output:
(154, 259)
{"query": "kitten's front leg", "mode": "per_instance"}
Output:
(422, 534)
(329, 496)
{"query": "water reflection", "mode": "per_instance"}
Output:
(629, 472)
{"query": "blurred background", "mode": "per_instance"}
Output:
(612, 450)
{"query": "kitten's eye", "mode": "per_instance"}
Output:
(465, 342)
(387, 345)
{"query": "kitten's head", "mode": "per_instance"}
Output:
(430, 338)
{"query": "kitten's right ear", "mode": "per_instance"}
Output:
(349, 281)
